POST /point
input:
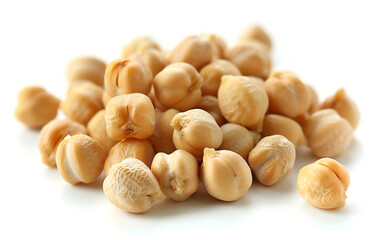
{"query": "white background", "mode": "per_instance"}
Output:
(329, 44)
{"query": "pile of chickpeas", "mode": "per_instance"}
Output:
(158, 122)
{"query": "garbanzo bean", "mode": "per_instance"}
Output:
(153, 58)
(211, 105)
(138, 43)
(256, 33)
(86, 68)
(219, 45)
(155, 101)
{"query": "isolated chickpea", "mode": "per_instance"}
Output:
(52, 134)
(225, 174)
(211, 105)
(328, 134)
(243, 100)
(212, 73)
(194, 130)
(344, 106)
(140, 149)
(130, 116)
(36, 107)
(178, 86)
(138, 43)
(86, 68)
(256, 33)
(272, 159)
(153, 58)
(80, 158)
(323, 183)
(162, 137)
(288, 95)
(177, 174)
(238, 139)
(131, 186)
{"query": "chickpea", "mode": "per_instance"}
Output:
(130, 116)
(79, 158)
(323, 183)
(211, 105)
(256, 33)
(272, 159)
(238, 139)
(194, 130)
(153, 58)
(36, 107)
(212, 74)
(52, 134)
(178, 86)
(129, 148)
(86, 68)
(131, 186)
(138, 43)
(314, 104)
(177, 174)
(79, 83)
(243, 100)
(225, 174)
(219, 46)
(162, 137)
(328, 134)
(155, 101)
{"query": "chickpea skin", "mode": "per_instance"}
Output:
(256, 33)
(86, 68)
(211, 105)
(138, 43)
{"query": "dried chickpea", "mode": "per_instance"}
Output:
(130, 116)
(328, 134)
(212, 73)
(153, 58)
(256, 33)
(323, 183)
(177, 174)
(130, 148)
(138, 43)
(131, 186)
(36, 107)
(194, 130)
(272, 159)
(79, 83)
(178, 86)
(80, 158)
(211, 105)
(86, 68)
(219, 46)
(155, 101)
(225, 174)
(52, 134)
(238, 139)
(243, 100)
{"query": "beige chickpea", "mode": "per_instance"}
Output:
(219, 45)
(194, 130)
(178, 86)
(36, 107)
(52, 134)
(82, 103)
(79, 83)
(177, 174)
(138, 43)
(140, 149)
(86, 68)
(211, 105)
(131, 186)
(288, 95)
(153, 58)
(328, 134)
(125, 76)
(80, 158)
(225, 174)
(155, 101)
(243, 100)
(323, 183)
(195, 50)
(162, 137)
(130, 116)
(344, 106)
(256, 33)
(272, 159)
(212, 73)
(238, 139)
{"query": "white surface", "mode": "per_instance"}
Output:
(328, 44)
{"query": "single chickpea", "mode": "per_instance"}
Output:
(194, 130)
(211, 105)
(52, 134)
(225, 174)
(243, 100)
(212, 73)
(80, 158)
(131, 186)
(177, 174)
(272, 159)
(256, 33)
(153, 58)
(323, 183)
(86, 68)
(328, 134)
(238, 139)
(219, 45)
(162, 137)
(140, 149)
(344, 106)
(79, 83)
(130, 116)
(178, 86)
(138, 43)
(36, 107)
